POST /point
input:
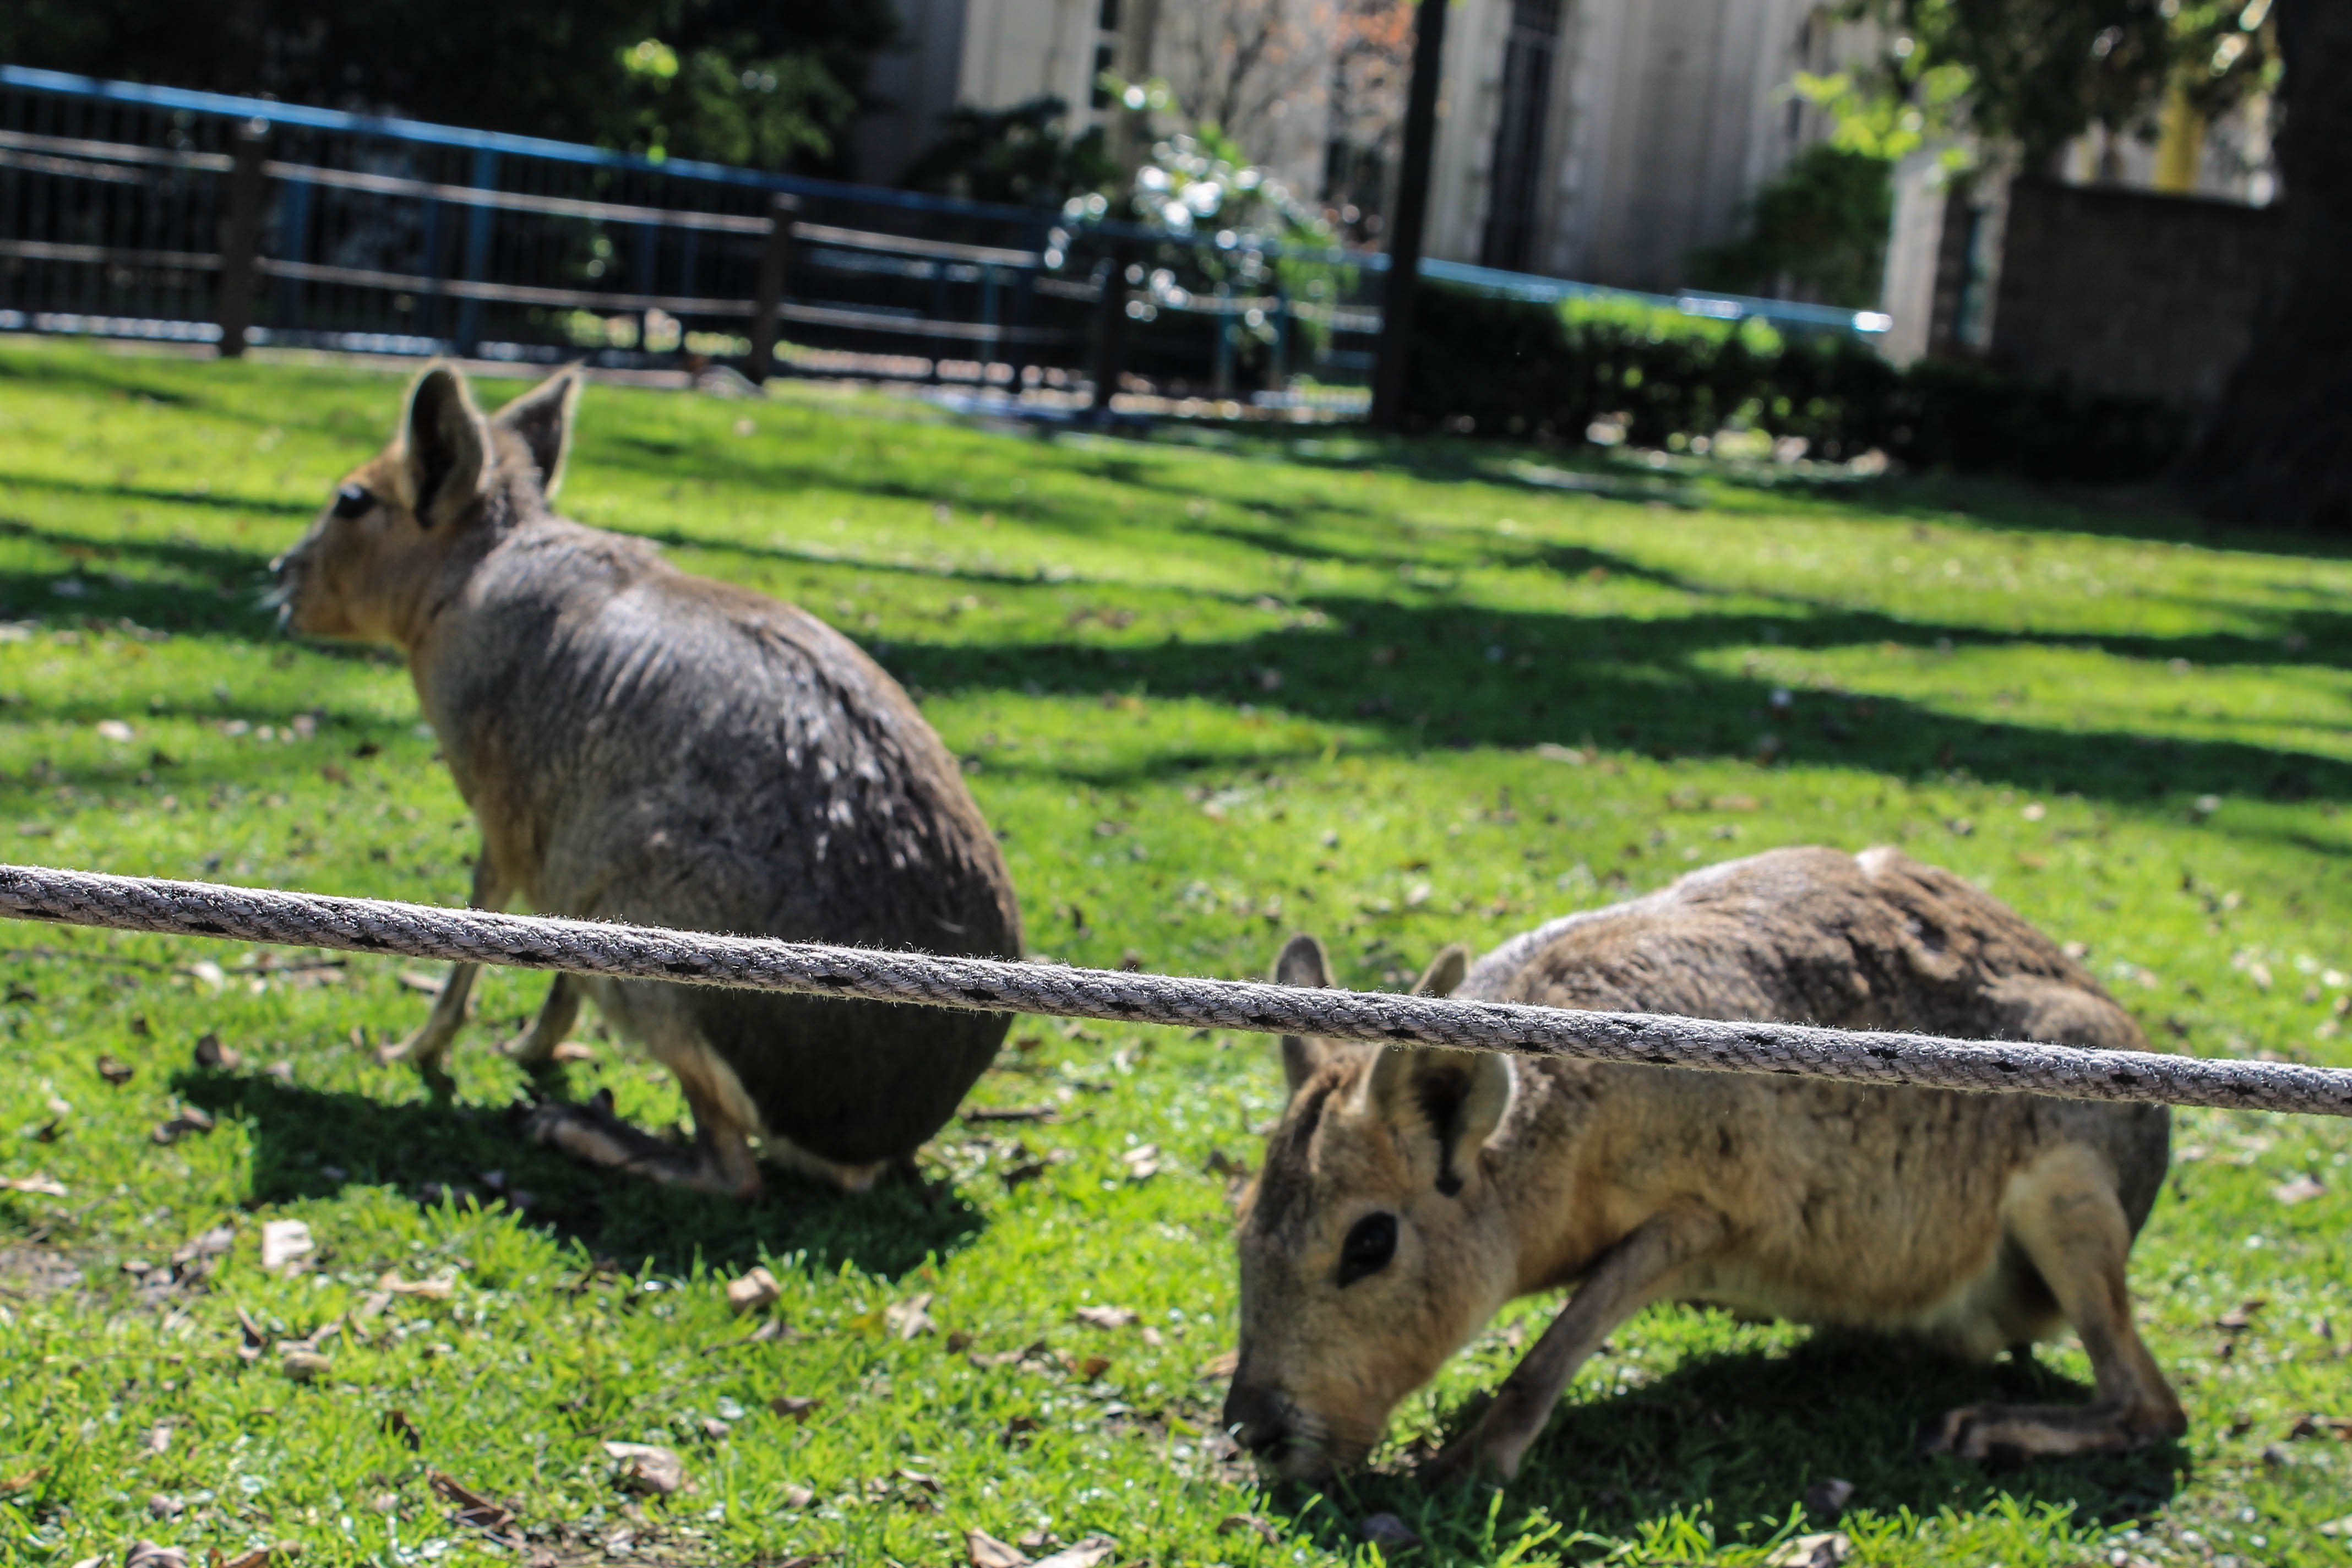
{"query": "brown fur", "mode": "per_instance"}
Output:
(641, 745)
(1976, 1222)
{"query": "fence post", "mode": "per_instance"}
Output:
(240, 240)
(478, 254)
(1111, 329)
(775, 259)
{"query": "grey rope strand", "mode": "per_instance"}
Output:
(695, 958)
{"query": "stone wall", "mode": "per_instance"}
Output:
(2128, 292)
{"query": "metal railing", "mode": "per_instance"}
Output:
(131, 210)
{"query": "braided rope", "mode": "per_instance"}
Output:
(695, 958)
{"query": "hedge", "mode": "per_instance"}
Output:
(1504, 366)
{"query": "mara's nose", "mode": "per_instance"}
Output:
(1257, 1418)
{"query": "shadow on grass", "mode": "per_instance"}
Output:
(1742, 1436)
(311, 1143)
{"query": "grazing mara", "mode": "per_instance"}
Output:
(1407, 1193)
(641, 745)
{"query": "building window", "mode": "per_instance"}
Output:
(1106, 17)
(1527, 60)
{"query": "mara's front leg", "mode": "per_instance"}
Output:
(429, 1044)
(1628, 1277)
(2062, 1211)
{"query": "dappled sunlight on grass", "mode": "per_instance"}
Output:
(1210, 689)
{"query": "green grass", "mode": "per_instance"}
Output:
(1211, 692)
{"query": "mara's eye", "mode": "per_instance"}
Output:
(351, 500)
(1371, 1242)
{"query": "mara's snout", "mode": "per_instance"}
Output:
(1406, 1194)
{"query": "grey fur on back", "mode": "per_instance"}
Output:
(642, 745)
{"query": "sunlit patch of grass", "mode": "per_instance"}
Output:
(1210, 692)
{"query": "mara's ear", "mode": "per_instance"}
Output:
(1302, 962)
(1446, 971)
(1457, 1098)
(448, 446)
(543, 417)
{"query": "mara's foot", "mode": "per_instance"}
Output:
(2008, 1432)
(593, 1134)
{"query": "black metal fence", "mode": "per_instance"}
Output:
(128, 210)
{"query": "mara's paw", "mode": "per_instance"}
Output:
(1999, 1435)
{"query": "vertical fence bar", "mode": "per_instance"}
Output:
(1221, 375)
(1111, 329)
(240, 238)
(1277, 368)
(477, 253)
(1025, 290)
(775, 259)
(293, 245)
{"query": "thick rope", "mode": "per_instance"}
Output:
(694, 958)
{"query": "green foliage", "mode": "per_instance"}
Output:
(732, 80)
(1024, 155)
(1398, 693)
(761, 113)
(1513, 367)
(2036, 73)
(1818, 231)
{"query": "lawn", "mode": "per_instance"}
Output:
(1211, 691)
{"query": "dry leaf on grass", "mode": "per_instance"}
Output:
(798, 1497)
(283, 1241)
(575, 1051)
(648, 1468)
(303, 1364)
(191, 1118)
(1234, 1522)
(1093, 1367)
(1388, 1530)
(397, 1423)
(800, 1407)
(393, 1284)
(755, 1290)
(1829, 1496)
(2302, 1189)
(2317, 1426)
(473, 1509)
(1142, 1163)
(1084, 1554)
(2241, 1318)
(37, 1184)
(986, 1552)
(261, 1556)
(1825, 1550)
(213, 1056)
(150, 1554)
(416, 980)
(114, 1072)
(907, 1319)
(1107, 1317)
(1220, 1366)
(979, 1113)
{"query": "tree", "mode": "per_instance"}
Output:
(2279, 448)
(1022, 155)
(2034, 74)
(1817, 232)
(734, 80)
(1371, 59)
(1242, 66)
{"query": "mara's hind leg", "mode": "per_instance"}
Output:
(720, 1159)
(535, 1046)
(2065, 1214)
